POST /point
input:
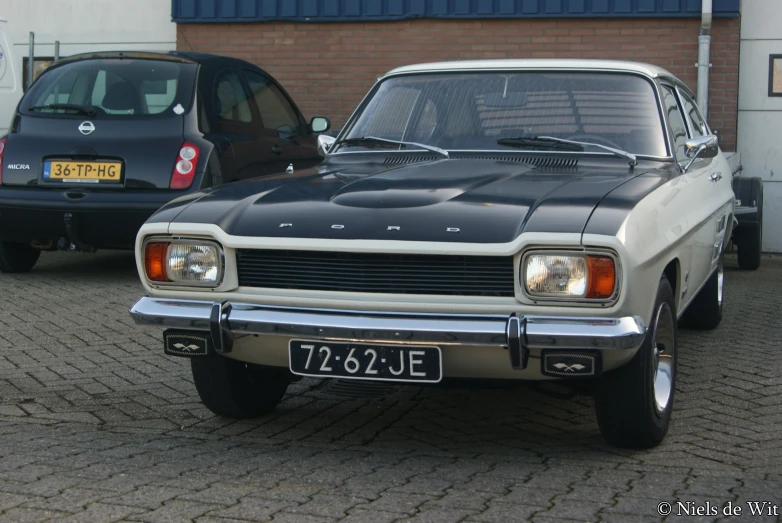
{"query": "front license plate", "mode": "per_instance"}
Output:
(360, 361)
(89, 172)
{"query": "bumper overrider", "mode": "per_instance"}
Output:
(567, 347)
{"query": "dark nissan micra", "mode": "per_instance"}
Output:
(101, 141)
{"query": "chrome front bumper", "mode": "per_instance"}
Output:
(519, 334)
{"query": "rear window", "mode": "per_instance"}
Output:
(113, 88)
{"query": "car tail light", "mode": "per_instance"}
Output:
(2, 155)
(185, 166)
(155, 261)
(602, 277)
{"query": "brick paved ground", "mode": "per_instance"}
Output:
(97, 425)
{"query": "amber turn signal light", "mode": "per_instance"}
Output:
(155, 261)
(602, 276)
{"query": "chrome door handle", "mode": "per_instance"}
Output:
(715, 177)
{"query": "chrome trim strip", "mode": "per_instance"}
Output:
(403, 328)
(585, 333)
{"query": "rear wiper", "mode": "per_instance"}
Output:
(83, 109)
(575, 146)
(366, 140)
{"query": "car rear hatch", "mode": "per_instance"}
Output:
(101, 123)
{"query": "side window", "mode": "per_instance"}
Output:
(276, 112)
(231, 101)
(676, 122)
(699, 127)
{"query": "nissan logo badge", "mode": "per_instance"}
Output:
(86, 128)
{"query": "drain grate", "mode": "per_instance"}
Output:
(360, 389)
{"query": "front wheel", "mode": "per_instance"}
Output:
(634, 402)
(17, 257)
(235, 389)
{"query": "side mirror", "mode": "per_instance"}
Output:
(325, 143)
(701, 147)
(320, 124)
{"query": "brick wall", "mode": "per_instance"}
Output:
(328, 67)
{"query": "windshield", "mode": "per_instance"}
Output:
(113, 88)
(473, 111)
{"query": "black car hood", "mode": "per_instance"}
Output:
(451, 200)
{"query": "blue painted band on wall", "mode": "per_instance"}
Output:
(185, 11)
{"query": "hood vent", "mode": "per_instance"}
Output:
(554, 163)
(515, 158)
(540, 162)
(401, 160)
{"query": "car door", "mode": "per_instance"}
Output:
(238, 129)
(701, 228)
(719, 176)
(283, 125)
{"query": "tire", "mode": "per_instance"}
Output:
(628, 410)
(750, 245)
(705, 310)
(749, 239)
(235, 389)
(17, 257)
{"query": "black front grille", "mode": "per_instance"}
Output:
(379, 273)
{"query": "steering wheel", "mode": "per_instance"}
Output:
(594, 138)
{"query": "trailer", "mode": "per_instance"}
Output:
(747, 236)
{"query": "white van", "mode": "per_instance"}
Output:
(10, 85)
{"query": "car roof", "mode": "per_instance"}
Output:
(172, 56)
(535, 63)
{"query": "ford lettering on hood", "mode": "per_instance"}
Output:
(462, 199)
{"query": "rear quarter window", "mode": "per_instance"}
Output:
(113, 88)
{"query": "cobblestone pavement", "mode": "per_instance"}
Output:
(96, 424)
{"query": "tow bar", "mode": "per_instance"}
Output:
(71, 228)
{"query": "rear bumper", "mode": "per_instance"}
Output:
(520, 336)
(104, 219)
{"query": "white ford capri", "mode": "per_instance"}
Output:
(515, 220)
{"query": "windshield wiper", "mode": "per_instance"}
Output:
(540, 141)
(367, 140)
(83, 109)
